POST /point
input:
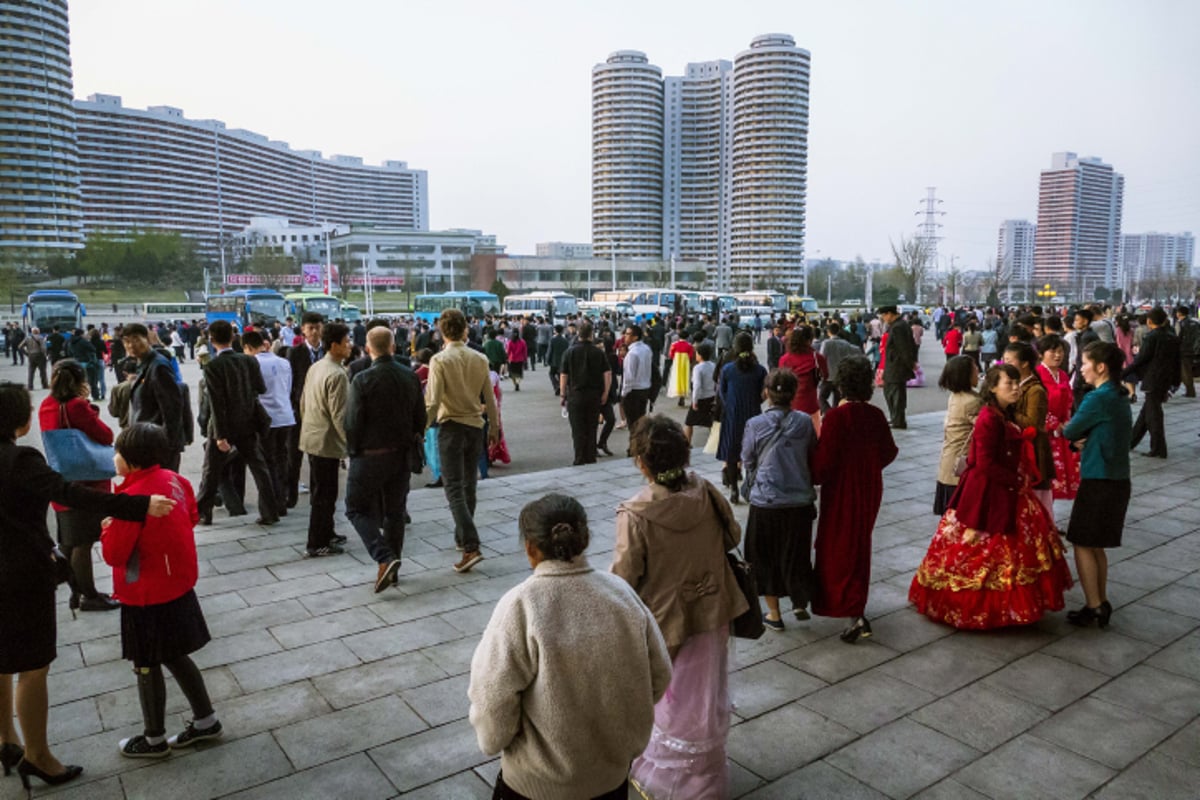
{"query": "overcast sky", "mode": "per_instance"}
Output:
(494, 98)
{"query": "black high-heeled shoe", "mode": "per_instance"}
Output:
(1084, 617)
(10, 755)
(25, 771)
(859, 629)
(1104, 614)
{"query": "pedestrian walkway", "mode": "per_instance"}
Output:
(326, 689)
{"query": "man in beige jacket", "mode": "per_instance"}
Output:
(323, 436)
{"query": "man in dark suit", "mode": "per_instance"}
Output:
(233, 381)
(899, 360)
(301, 357)
(1157, 366)
(156, 396)
(555, 352)
(775, 346)
(1084, 335)
(584, 381)
(385, 422)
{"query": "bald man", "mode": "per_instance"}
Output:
(385, 426)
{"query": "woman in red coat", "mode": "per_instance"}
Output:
(807, 365)
(996, 558)
(67, 406)
(855, 445)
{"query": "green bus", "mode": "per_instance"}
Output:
(328, 306)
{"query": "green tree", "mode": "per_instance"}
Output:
(1101, 294)
(500, 289)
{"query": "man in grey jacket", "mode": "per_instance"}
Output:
(835, 349)
(34, 346)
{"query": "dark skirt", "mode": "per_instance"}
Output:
(702, 415)
(152, 635)
(78, 528)
(27, 629)
(779, 549)
(941, 497)
(1098, 515)
(516, 369)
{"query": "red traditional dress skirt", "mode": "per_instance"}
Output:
(978, 580)
(1066, 469)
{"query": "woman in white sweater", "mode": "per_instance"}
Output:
(564, 681)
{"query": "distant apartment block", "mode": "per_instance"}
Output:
(1151, 256)
(155, 169)
(1015, 248)
(1078, 236)
(708, 166)
(564, 250)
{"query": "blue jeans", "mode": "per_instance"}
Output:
(376, 498)
(459, 447)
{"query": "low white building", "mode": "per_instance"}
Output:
(583, 276)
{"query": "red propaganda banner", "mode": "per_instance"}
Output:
(377, 280)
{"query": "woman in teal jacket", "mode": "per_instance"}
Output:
(1103, 427)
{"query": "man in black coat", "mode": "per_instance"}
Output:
(1157, 366)
(775, 346)
(558, 348)
(1084, 335)
(385, 424)
(236, 421)
(899, 360)
(155, 396)
(301, 357)
(584, 381)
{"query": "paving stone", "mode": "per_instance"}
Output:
(351, 730)
(245, 617)
(463, 786)
(230, 649)
(950, 789)
(907, 630)
(293, 665)
(453, 657)
(1152, 692)
(1182, 657)
(88, 681)
(234, 581)
(1102, 651)
(980, 716)
(1029, 768)
(741, 781)
(767, 685)
(1154, 776)
(942, 666)
(227, 767)
(472, 620)
(378, 678)
(402, 638)
(1103, 732)
(325, 627)
(271, 708)
(760, 745)
(833, 660)
(1046, 681)
(250, 560)
(215, 604)
(1140, 621)
(1176, 599)
(902, 758)
(429, 756)
(73, 721)
(1184, 745)
(399, 608)
(1008, 644)
(274, 591)
(1146, 576)
(96, 651)
(817, 781)
(440, 702)
(354, 776)
(889, 699)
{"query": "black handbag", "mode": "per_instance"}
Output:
(749, 624)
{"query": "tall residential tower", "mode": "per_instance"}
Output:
(1079, 225)
(1014, 250)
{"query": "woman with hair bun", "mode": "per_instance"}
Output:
(855, 446)
(740, 387)
(671, 542)
(565, 678)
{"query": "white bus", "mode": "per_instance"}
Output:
(648, 302)
(717, 304)
(541, 304)
(162, 312)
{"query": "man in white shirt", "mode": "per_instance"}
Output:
(637, 370)
(277, 374)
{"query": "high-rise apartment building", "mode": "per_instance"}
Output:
(1154, 256)
(1014, 250)
(1079, 225)
(627, 156)
(157, 170)
(39, 163)
(728, 153)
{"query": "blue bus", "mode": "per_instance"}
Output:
(45, 308)
(244, 307)
(428, 307)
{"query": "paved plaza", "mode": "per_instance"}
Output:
(326, 689)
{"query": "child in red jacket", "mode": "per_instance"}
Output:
(154, 577)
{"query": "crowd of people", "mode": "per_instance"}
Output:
(1039, 408)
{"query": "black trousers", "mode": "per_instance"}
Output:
(275, 450)
(610, 421)
(323, 478)
(216, 475)
(635, 403)
(294, 459)
(896, 395)
(583, 412)
(1150, 420)
(828, 396)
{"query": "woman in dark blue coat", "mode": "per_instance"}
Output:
(741, 391)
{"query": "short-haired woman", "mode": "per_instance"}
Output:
(27, 582)
(855, 446)
(740, 387)
(1104, 426)
(1059, 400)
(671, 542)
(67, 406)
(996, 558)
(807, 365)
(567, 705)
(778, 447)
(959, 377)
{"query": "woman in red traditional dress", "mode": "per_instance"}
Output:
(855, 445)
(1059, 396)
(996, 558)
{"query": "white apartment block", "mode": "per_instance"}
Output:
(727, 153)
(1014, 250)
(1150, 256)
(564, 249)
